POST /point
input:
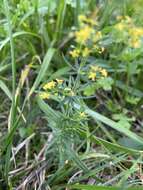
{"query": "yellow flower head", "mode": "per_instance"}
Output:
(82, 114)
(135, 43)
(104, 72)
(83, 34)
(136, 32)
(124, 18)
(72, 93)
(44, 95)
(92, 75)
(49, 85)
(59, 81)
(86, 52)
(82, 18)
(69, 91)
(120, 26)
(75, 53)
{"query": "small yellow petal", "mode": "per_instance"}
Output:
(104, 72)
(92, 75)
(82, 114)
(82, 18)
(75, 53)
(86, 52)
(59, 81)
(83, 34)
(49, 85)
(44, 95)
(120, 26)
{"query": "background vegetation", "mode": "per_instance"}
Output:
(71, 74)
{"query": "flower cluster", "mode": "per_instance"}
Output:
(89, 41)
(136, 33)
(83, 34)
(96, 78)
(77, 52)
(87, 38)
(79, 115)
(56, 90)
(129, 32)
(83, 19)
(96, 72)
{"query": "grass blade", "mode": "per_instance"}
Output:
(94, 187)
(16, 34)
(13, 106)
(43, 69)
(112, 124)
(5, 89)
(59, 25)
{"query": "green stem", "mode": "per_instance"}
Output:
(60, 20)
(128, 77)
(77, 12)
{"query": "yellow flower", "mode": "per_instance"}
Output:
(124, 18)
(104, 72)
(49, 85)
(83, 34)
(135, 43)
(44, 95)
(92, 75)
(69, 91)
(75, 53)
(136, 32)
(72, 93)
(82, 114)
(82, 18)
(120, 26)
(85, 52)
(59, 81)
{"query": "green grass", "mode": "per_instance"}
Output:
(71, 94)
(12, 115)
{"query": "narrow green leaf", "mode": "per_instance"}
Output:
(43, 69)
(111, 146)
(60, 20)
(94, 187)
(47, 109)
(4, 68)
(5, 89)
(13, 105)
(112, 124)
(76, 158)
(127, 173)
(59, 73)
(16, 34)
